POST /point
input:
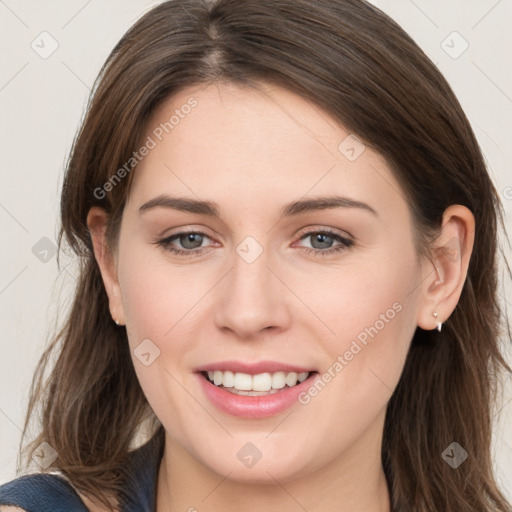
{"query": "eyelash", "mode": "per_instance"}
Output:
(345, 243)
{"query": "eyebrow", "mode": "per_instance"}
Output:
(296, 207)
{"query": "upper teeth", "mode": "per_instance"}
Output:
(259, 382)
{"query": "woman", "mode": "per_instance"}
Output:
(225, 143)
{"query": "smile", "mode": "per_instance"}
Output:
(254, 396)
(255, 385)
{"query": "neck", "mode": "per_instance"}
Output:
(353, 481)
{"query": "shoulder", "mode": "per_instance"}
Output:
(41, 492)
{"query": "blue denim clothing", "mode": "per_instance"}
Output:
(44, 492)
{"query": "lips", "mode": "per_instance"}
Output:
(254, 368)
(241, 403)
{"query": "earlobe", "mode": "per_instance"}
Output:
(446, 272)
(97, 223)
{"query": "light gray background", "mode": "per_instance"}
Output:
(42, 101)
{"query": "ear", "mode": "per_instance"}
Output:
(446, 274)
(97, 223)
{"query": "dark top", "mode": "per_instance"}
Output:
(43, 492)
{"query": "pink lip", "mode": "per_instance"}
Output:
(262, 406)
(253, 368)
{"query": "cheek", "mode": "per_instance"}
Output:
(371, 311)
(161, 301)
(364, 367)
(156, 300)
(157, 295)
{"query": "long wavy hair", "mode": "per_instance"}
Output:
(349, 58)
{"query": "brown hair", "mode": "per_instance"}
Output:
(349, 58)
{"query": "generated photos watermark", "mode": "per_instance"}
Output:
(150, 143)
(344, 359)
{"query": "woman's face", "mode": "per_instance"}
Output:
(275, 277)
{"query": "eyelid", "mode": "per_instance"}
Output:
(315, 228)
(188, 228)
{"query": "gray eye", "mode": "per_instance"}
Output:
(324, 240)
(191, 240)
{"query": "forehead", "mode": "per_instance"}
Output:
(239, 143)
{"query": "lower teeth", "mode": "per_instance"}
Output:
(252, 393)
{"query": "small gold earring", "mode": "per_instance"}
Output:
(439, 324)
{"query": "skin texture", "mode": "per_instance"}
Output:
(252, 152)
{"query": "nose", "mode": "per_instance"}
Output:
(252, 298)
